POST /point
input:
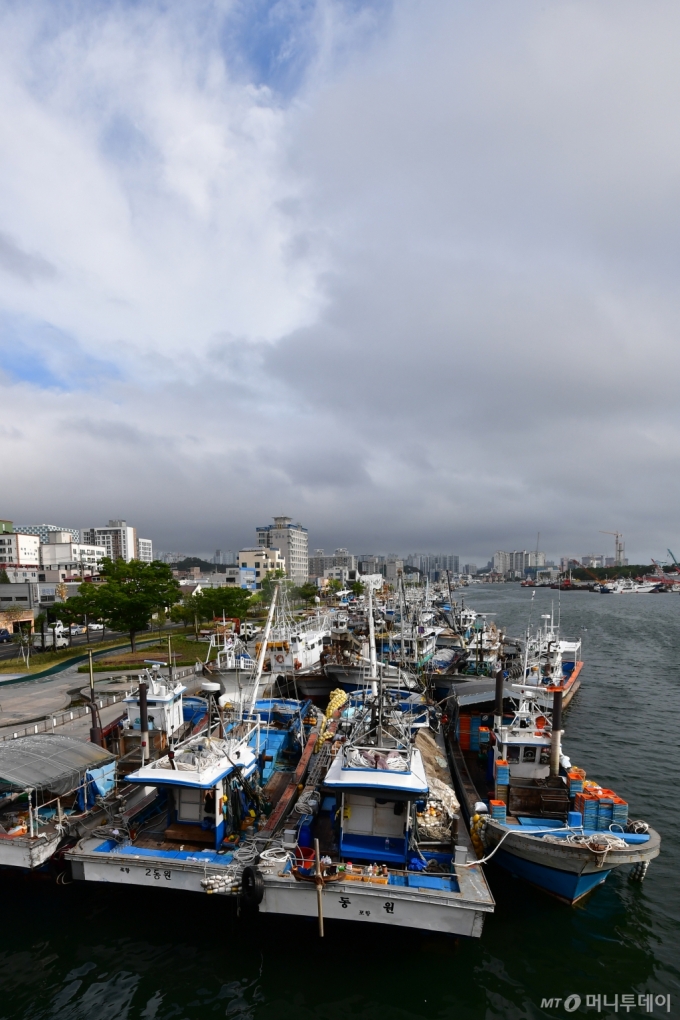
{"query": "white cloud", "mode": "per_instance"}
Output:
(429, 300)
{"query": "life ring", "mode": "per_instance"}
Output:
(279, 658)
(252, 886)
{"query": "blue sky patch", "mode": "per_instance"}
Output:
(46, 357)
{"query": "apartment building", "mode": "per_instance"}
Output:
(120, 541)
(262, 560)
(43, 531)
(61, 558)
(19, 556)
(292, 541)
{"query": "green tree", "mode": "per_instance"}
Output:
(334, 586)
(4, 579)
(188, 612)
(231, 602)
(307, 592)
(273, 577)
(357, 588)
(130, 595)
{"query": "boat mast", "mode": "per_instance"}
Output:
(403, 620)
(371, 642)
(263, 648)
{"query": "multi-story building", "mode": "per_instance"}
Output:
(145, 550)
(61, 558)
(240, 577)
(501, 562)
(292, 542)
(340, 574)
(393, 568)
(319, 563)
(593, 560)
(434, 566)
(19, 556)
(120, 541)
(263, 560)
(43, 531)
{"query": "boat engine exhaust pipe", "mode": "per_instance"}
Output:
(556, 738)
(498, 707)
(143, 721)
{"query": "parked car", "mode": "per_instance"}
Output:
(77, 628)
(95, 626)
(5, 635)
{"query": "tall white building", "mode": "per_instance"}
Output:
(19, 556)
(120, 541)
(145, 550)
(293, 543)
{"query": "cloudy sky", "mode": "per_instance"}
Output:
(405, 271)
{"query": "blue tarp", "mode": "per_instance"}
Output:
(97, 783)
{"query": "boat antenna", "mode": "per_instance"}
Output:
(263, 646)
(448, 581)
(403, 621)
(526, 643)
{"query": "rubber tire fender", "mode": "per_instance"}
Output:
(252, 886)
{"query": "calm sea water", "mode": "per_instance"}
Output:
(97, 953)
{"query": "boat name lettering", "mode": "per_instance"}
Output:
(157, 874)
(345, 902)
(389, 907)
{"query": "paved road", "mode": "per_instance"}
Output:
(8, 650)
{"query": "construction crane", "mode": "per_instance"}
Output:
(675, 562)
(618, 546)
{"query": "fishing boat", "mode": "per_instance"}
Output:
(295, 643)
(375, 830)
(530, 811)
(548, 660)
(49, 784)
(210, 793)
(357, 823)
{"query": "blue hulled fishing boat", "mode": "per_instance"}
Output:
(530, 811)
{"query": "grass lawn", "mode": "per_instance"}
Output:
(185, 653)
(43, 660)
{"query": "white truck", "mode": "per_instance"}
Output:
(55, 636)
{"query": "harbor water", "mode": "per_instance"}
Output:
(112, 953)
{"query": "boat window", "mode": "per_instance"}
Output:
(545, 756)
(529, 754)
(512, 753)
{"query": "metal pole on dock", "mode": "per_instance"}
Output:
(143, 720)
(556, 738)
(498, 707)
(95, 732)
(318, 881)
